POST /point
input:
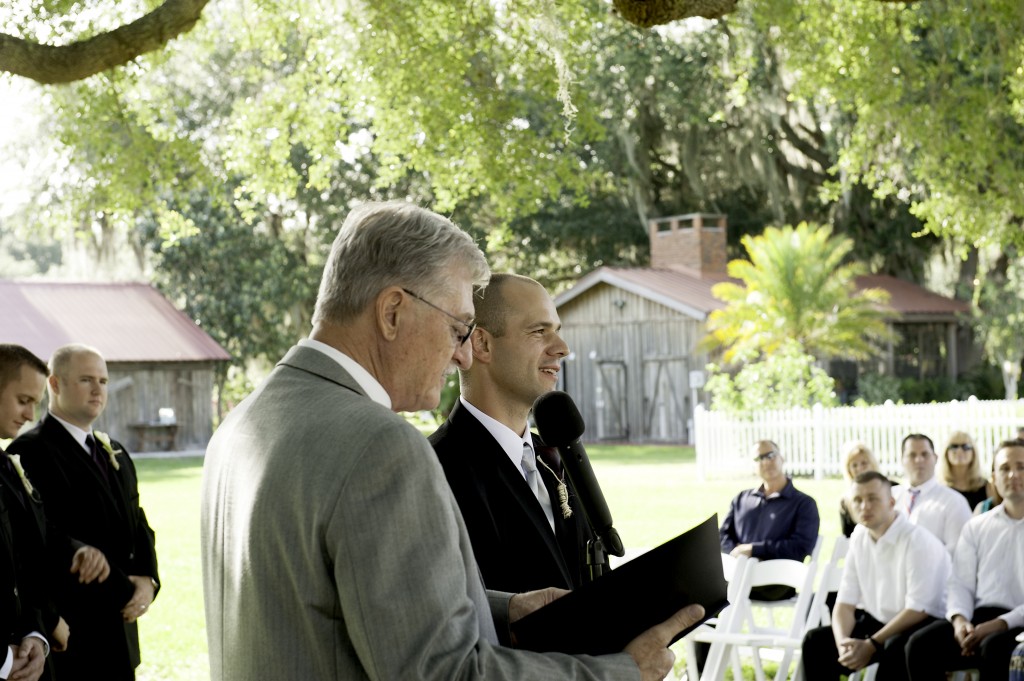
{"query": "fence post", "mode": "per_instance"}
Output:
(818, 430)
(700, 443)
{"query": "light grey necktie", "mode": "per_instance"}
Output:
(533, 479)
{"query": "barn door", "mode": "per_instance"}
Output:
(666, 400)
(611, 400)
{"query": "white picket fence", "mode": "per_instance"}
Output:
(812, 440)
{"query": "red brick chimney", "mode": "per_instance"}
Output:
(695, 241)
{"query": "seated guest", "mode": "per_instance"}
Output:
(858, 459)
(985, 607)
(775, 520)
(937, 508)
(960, 469)
(892, 586)
(994, 500)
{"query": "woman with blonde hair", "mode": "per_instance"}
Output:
(960, 469)
(857, 459)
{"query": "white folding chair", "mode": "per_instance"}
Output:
(742, 631)
(735, 570)
(819, 616)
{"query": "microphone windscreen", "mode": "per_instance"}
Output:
(558, 420)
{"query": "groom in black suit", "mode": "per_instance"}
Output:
(90, 492)
(526, 535)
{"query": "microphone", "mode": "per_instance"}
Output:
(560, 425)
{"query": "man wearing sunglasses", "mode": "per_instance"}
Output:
(775, 520)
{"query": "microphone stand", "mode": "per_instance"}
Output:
(597, 555)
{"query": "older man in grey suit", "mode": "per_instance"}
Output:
(332, 545)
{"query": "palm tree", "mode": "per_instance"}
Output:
(796, 287)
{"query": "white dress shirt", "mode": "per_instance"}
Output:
(77, 433)
(988, 567)
(906, 569)
(939, 509)
(370, 385)
(512, 444)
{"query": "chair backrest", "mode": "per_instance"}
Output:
(831, 577)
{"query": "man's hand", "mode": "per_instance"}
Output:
(29, 660)
(523, 604)
(650, 649)
(970, 643)
(856, 653)
(742, 550)
(143, 596)
(90, 565)
(59, 636)
(962, 628)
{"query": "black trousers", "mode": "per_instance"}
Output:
(821, 655)
(933, 651)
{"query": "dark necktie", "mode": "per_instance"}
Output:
(97, 456)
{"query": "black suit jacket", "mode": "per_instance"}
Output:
(511, 537)
(81, 504)
(20, 611)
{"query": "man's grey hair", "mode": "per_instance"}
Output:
(61, 358)
(393, 244)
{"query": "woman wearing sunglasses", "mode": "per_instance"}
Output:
(960, 469)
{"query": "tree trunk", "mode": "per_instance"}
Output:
(49, 64)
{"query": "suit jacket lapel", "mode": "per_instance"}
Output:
(74, 458)
(476, 436)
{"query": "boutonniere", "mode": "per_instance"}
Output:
(104, 440)
(20, 470)
(563, 492)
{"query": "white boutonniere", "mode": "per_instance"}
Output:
(104, 440)
(20, 470)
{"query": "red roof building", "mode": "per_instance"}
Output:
(160, 361)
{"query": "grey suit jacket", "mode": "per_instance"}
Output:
(333, 548)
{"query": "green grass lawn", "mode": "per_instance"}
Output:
(653, 493)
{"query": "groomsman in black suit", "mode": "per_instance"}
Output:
(22, 383)
(90, 492)
(526, 530)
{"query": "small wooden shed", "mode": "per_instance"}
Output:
(635, 369)
(161, 364)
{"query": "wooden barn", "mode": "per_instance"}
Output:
(161, 364)
(635, 369)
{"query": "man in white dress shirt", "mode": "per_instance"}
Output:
(985, 610)
(893, 585)
(928, 503)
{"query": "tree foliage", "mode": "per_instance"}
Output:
(797, 288)
(784, 379)
(935, 91)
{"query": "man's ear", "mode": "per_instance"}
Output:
(483, 345)
(53, 382)
(389, 310)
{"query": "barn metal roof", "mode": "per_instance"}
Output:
(126, 322)
(689, 292)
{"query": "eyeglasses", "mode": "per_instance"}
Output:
(956, 445)
(462, 338)
(767, 456)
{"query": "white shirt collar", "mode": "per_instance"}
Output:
(74, 431)
(924, 486)
(511, 443)
(370, 385)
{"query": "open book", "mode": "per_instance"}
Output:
(603, 616)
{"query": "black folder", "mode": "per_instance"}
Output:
(603, 616)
